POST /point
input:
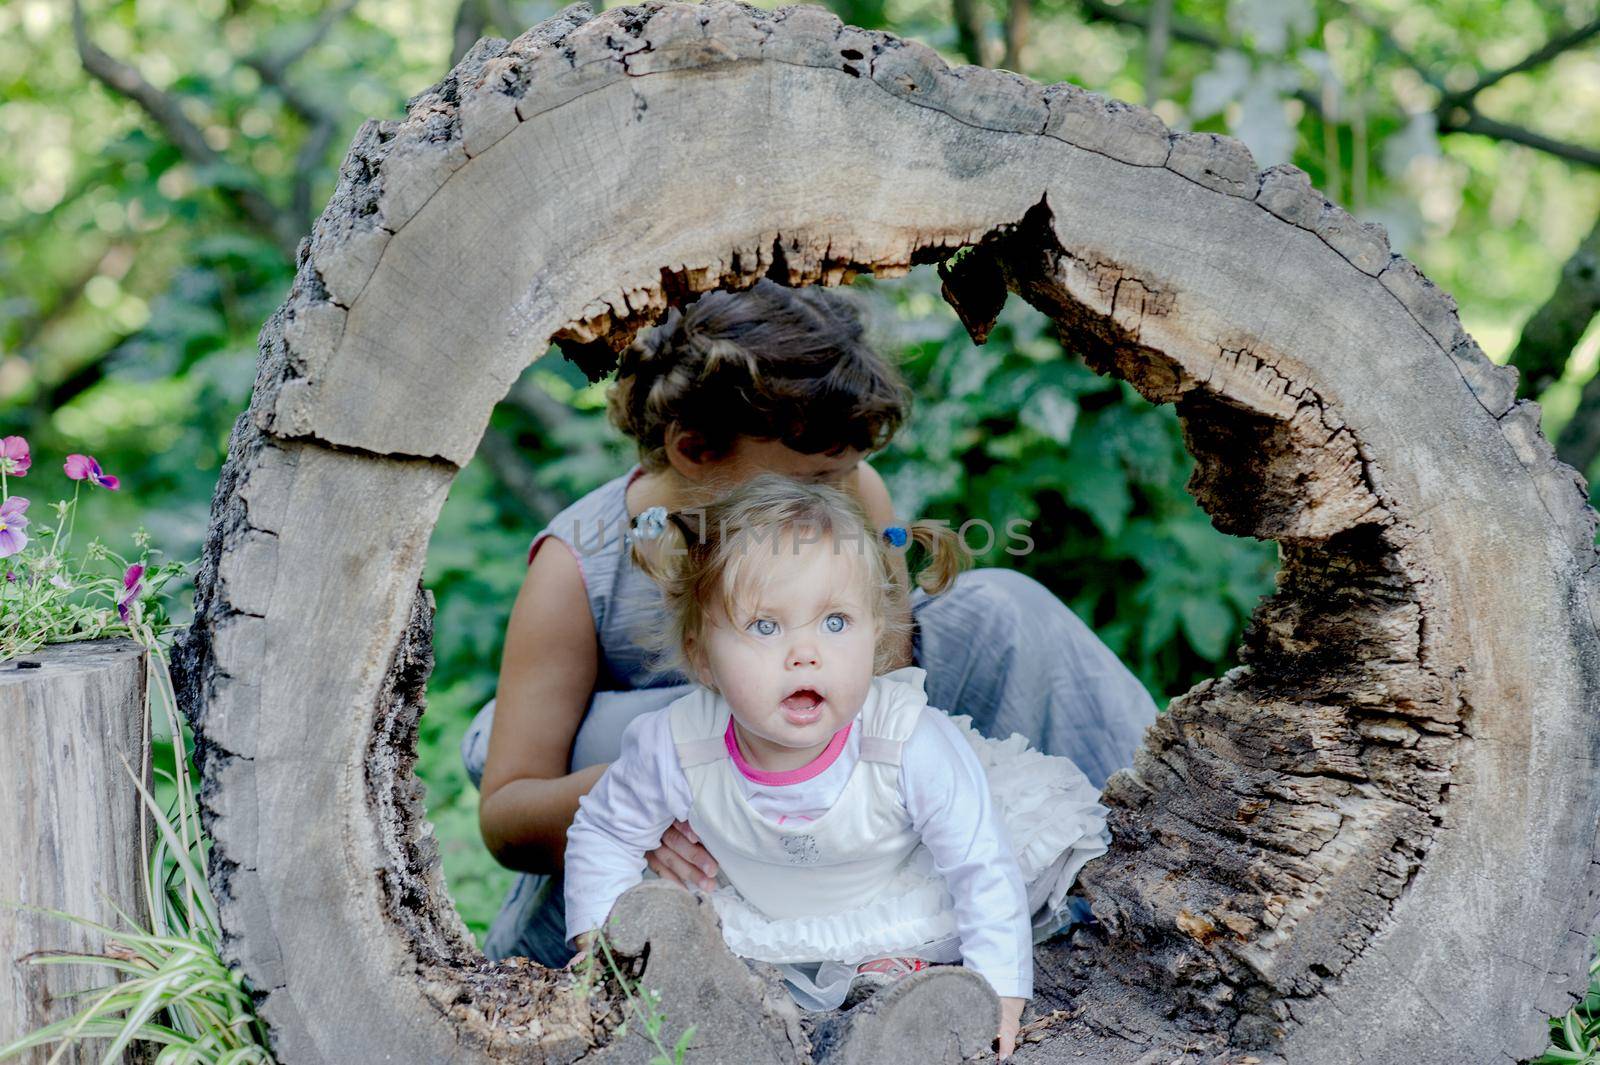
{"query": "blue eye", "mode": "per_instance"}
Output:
(835, 623)
(763, 626)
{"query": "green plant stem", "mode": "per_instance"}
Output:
(652, 1018)
(72, 513)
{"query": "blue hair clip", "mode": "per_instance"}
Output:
(651, 523)
(896, 535)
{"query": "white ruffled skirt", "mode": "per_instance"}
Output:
(1055, 822)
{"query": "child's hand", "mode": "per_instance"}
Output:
(583, 942)
(1010, 1018)
(682, 860)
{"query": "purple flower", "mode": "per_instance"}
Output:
(12, 538)
(130, 584)
(85, 468)
(14, 457)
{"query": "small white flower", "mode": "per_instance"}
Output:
(61, 582)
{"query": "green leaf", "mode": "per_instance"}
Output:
(1207, 624)
(1051, 414)
(1159, 627)
(1099, 488)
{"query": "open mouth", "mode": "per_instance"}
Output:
(803, 706)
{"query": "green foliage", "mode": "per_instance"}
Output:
(1021, 430)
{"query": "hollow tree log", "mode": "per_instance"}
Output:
(69, 823)
(1372, 841)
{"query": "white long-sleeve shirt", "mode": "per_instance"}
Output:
(946, 796)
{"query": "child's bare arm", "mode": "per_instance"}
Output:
(621, 818)
(874, 496)
(547, 674)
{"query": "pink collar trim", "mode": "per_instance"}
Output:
(829, 755)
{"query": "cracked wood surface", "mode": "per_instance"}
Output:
(1390, 804)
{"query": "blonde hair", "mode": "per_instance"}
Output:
(699, 560)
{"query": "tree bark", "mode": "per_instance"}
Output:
(1379, 810)
(70, 822)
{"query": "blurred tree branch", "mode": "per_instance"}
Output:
(969, 31)
(1554, 329)
(513, 470)
(113, 261)
(1579, 440)
(1547, 342)
(1125, 15)
(474, 18)
(322, 124)
(1539, 56)
(272, 67)
(166, 112)
(1484, 126)
(1457, 112)
(553, 421)
(1018, 15)
(28, 329)
(1454, 113)
(1155, 55)
(282, 227)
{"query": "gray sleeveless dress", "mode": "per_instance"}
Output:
(997, 646)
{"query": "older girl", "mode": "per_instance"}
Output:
(855, 824)
(739, 383)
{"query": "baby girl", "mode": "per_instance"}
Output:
(860, 833)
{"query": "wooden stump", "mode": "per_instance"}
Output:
(1374, 841)
(69, 821)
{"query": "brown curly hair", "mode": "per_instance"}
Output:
(769, 362)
